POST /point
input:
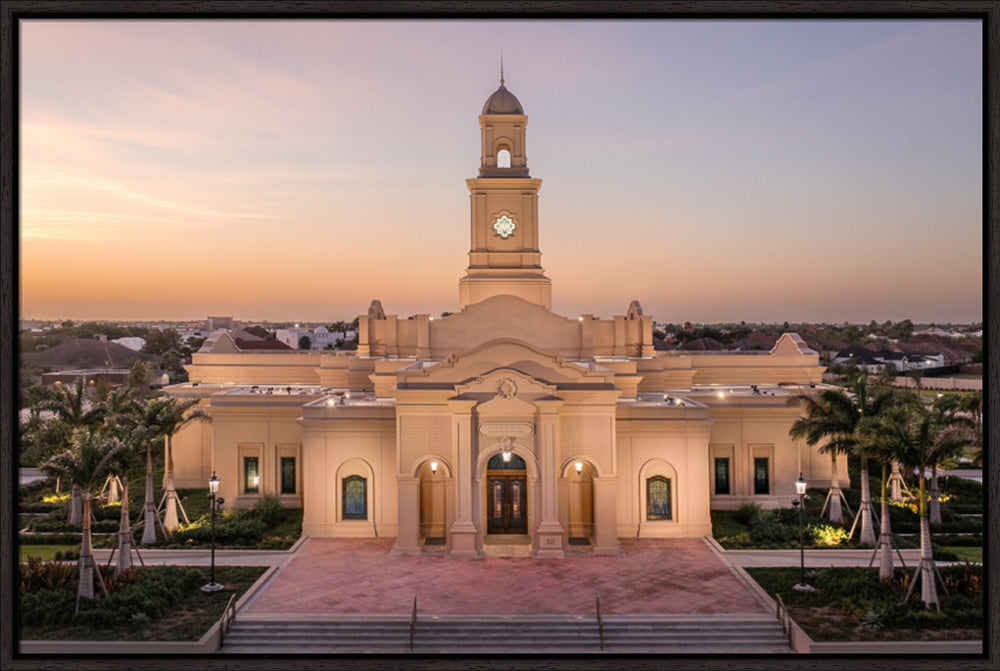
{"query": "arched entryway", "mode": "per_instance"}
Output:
(578, 479)
(506, 494)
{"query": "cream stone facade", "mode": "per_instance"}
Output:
(504, 419)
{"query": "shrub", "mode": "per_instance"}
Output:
(825, 534)
(747, 513)
(36, 574)
(267, 509)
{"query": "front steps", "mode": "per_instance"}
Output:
(678, 634)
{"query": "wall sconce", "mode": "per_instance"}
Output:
(506, 455)
(434, 467)
(579, 467)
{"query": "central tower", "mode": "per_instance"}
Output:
(503, 256)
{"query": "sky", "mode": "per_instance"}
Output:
(294, 170)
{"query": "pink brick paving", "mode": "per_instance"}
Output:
(358, 576)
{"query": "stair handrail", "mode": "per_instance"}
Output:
(600, 622)
(228, 615)
(413, 622)
(783, 617)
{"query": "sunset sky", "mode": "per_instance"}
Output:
(295, 170)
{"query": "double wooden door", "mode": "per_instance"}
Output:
(507, 502)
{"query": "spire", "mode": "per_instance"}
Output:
(501, 67)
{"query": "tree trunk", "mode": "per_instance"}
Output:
(935, 515)
(75, 507)
(86, 589)
(836, 513)
(928, 588)
(170, 521)
(897, 492)
(867, 530)
(124, 534)
(149, 507)
(885, 536)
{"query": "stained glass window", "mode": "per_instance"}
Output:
(251, 477)
(722, 476)
(288, 475)
(761, 483)
(658, 498)
(355, 498)
(496, 463)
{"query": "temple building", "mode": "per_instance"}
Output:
(504, 419)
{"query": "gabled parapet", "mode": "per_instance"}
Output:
(791, 344)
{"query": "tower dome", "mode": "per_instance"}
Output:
(502, 102)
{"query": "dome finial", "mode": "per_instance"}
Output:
(501, 67)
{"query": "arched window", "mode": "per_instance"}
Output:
(658, 498)
(355, 494)
(503, 158)
(515, 463)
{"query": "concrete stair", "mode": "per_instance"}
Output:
(679, 634)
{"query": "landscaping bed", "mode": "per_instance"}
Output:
(155, 603)
(852, 604)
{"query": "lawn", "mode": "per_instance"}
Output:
(965, 553)
(45, 552)
(852, 604)
(187, 615)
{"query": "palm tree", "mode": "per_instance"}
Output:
(176, 414)
(88, 458)
(151, 415)
(72, 409)
(973, 405)
(945, 410)
(122, 421)
(826, 416)
(919, 437)
(876, 446)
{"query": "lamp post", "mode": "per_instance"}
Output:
(800, 489)
(215, 503)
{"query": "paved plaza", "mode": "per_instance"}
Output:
(360, 576)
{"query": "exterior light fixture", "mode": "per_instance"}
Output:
(347, 395)
(579, 467)
(721, 394)
(506, 455)
(330, 402)
(434, 467)
(800, 485)
(215, 503)
(800, 489)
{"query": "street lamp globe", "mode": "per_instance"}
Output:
(800, 485)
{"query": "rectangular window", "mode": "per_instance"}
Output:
(761, 482)
(658, 498)
(721, 475)
(355, 498)
(251, 475)
(288, 475)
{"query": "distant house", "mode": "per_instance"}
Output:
(87, 353)
(875, 361)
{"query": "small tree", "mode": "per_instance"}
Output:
(88, 458)
(305, 342)
(918, 438)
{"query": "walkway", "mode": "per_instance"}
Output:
(354, 576)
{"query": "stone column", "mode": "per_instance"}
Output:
(463, 530)
(605, 520)
(550, 531)
(408, 531)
